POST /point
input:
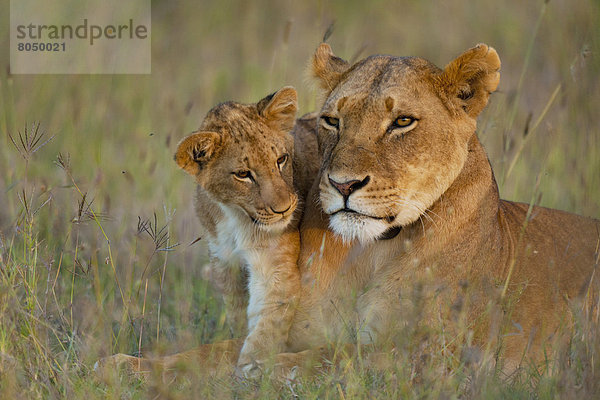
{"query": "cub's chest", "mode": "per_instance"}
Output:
(236, 241)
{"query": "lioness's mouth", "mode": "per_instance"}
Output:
(388, 218)
(390, 233)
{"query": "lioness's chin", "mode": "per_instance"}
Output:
(353, 226)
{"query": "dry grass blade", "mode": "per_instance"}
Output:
(30, 140)
(160, 236)
(358, 53)
(24, 201)
(28, 207)
(142, 225)
(2, 259)
(199, 238)
(64, 161)
(85, 213)
(328, 32)
(529, 132)
(287, 30)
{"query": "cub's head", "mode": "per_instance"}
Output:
(393, 133)
(242, 157)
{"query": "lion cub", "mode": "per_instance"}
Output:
(250, 182)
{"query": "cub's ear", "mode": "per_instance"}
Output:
(279, 108)
(195, 150)
(328, 68)
(468, 81)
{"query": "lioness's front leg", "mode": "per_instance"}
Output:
(274, 292)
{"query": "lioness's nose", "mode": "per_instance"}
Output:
(348, 187)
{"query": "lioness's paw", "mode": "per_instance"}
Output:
(107, 366)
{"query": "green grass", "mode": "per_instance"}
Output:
(81, 275)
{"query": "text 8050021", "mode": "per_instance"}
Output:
(41, 46)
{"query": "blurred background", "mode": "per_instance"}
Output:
(86, 278)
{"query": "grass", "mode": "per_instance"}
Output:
(97, 226)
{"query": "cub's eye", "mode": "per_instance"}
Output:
(331, 121)
(243, 175)
(281, 161)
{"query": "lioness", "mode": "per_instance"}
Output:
(409, 197)
(247, 201)
(406, 202)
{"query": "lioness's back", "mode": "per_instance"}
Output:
(569, 237)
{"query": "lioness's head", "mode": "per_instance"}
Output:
(393, 133)
(242, 157)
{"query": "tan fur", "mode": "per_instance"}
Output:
(251, 222)
(423, 237)
(458, 240)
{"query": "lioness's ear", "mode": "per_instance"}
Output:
(468, 81)
(195, 150)
(280, 108)
(328, 68)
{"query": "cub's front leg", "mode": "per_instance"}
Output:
(230, 279)
(274, 286)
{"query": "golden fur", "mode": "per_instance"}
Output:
(248, 192)
(405, 219)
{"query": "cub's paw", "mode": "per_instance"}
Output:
(251, 370)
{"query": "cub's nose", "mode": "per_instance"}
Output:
(281, 209)
(346, 188)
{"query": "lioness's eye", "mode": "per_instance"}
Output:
(243, 175)
(331, 121)
(282, 160)
(403, 121)
(403, 124)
